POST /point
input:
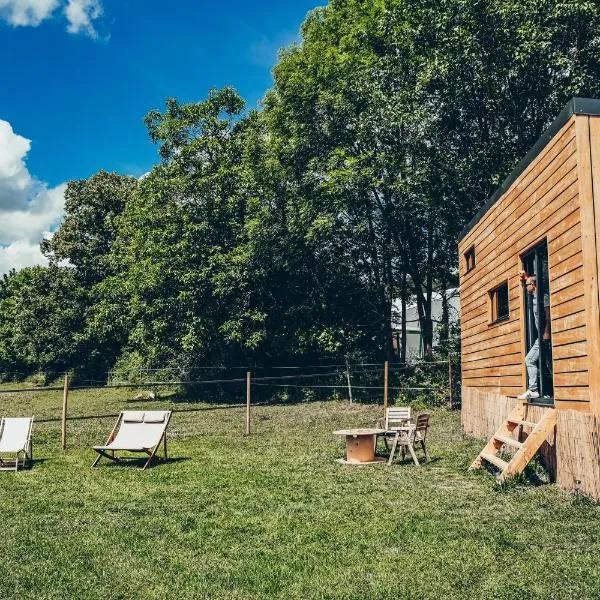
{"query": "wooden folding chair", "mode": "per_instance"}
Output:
(395, 418)
(410, 436)
(136, 431)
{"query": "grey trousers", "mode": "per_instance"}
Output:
(531, 362)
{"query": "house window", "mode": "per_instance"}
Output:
(470, 258)
(499, 303)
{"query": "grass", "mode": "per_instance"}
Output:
(274, 516)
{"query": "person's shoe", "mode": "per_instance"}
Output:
(528, 395)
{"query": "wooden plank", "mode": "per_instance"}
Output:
(491, 331)
(555, 148)
(574, 350)
(568, 322)
(569, 365)
(495, 371)
(590, 256)
(566, 266)
(570, 336)
(568, 308)
(567, 293)
(567, 280)
(557, 253)
(563, 240)
(496, 361)
(496, 350)
(575, 378)
(578, 405)
(476, 345)
(572, 393)
(513, 381)
(594, 317)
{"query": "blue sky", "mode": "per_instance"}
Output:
(81, 75)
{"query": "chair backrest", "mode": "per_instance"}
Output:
(397, 416)
(15, 434)
(142, 428)
(421, 425)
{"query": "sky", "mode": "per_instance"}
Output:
(78, 76)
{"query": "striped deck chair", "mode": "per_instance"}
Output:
(136, 431)
(15, 439)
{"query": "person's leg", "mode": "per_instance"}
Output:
(531, 361)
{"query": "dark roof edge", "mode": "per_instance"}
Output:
(575, 106)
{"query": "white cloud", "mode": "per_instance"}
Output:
(80, 14)
(19, 255)
(29, 209)
(27, 12)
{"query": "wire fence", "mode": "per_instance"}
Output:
(422, 384)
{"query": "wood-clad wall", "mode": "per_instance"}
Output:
(546, 202)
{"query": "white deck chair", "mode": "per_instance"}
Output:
(136, 431)
(15, 439)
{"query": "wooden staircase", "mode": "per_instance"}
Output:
(524, 451)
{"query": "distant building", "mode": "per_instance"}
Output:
(414, 338)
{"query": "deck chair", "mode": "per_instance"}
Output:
(136, 431)
(395, 417)
(15, 439)
(410, 437)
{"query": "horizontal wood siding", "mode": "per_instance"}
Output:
(543, 203)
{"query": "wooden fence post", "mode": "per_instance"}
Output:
(349, 384)
(248, 386)
(450, 382)
(385, 387)
(64, 412)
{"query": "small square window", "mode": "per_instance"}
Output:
(470, 258)
(499, 303)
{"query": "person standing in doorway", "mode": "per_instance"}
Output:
(532, 358)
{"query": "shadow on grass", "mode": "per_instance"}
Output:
(136, 463)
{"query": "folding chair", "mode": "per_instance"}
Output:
(136, 431)
(409, 436)
(395, 417)
(15, 438)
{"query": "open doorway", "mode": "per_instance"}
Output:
(537, 322)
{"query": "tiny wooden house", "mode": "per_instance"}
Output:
(545, 220)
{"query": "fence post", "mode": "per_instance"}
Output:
(450, 376)
(348, 377)
(64, 413)
(248, 386)
(385, 387)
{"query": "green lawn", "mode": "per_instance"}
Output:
(273, 514)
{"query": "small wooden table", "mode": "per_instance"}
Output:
(360, 446)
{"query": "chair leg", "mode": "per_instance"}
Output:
(165, 445)
(425, 451)
(151, 456)
(412, 453)
(393, 451)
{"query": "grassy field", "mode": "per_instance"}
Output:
(274, 516)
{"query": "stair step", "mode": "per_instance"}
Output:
(524, 423)
(508, 441)
(495, 460)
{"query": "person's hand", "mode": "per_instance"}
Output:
(546, 336)
(522, 275)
